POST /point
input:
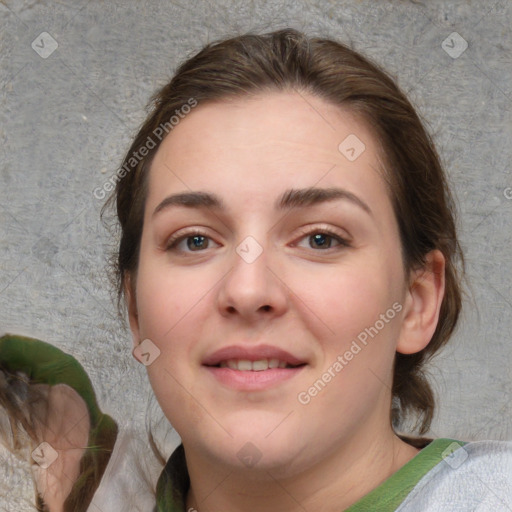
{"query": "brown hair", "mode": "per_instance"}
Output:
(287, 60)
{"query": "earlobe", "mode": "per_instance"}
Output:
(131, 304)
(423, 304)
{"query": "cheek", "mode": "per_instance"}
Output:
(167, 297)
(341, 302)
(172, 307)
(351, 314)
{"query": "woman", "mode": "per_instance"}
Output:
(289, 257)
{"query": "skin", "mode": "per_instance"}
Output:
(309, 300)
(66, 429)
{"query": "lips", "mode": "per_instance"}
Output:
(257, 353)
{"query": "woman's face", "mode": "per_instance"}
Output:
(269, 236)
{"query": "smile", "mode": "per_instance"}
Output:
(258, 377)
(245, 365)
(248, 367)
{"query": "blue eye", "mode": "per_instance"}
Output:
(324, 239)
(194, 241)
(197, 241)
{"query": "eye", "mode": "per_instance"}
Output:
(320, 238)
(193, 241)
(198, 241)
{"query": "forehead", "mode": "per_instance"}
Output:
(262, 142)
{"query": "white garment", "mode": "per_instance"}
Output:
(477, 477)
(129, 479)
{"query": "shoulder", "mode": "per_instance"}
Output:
(474, 476)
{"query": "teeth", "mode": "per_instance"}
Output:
(256, 366)
(244, 365)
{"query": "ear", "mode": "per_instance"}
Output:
(131, 303)
(423, 304)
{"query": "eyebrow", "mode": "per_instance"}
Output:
(292, 198)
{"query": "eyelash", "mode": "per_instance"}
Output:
(323, 230)
(343, 242)
(175, 239)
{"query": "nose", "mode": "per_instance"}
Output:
(253, 289)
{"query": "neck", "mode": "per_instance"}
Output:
(358, 466)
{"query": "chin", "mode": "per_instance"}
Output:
(261, 447)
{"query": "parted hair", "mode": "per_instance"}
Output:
(288, 60)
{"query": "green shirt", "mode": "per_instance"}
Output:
(174, 481)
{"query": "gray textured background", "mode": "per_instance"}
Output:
(66, 121)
